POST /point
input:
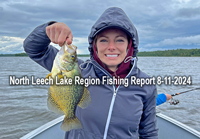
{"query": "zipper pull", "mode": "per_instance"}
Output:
(115, 93)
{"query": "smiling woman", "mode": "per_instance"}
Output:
(112, 47)
(116, 111)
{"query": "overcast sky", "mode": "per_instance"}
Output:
(161, 25)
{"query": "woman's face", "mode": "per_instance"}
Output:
(112, 47)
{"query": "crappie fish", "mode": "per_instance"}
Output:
(63, 99)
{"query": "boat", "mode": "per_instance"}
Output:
(168, 129)
(171, 129)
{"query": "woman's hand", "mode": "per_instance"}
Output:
(58, 33)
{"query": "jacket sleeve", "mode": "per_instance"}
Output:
(37, 47)
(161, 98)
(148, 123)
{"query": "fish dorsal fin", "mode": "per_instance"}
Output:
(85, 100)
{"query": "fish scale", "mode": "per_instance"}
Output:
(63, 99)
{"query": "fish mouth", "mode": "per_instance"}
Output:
(70, 48)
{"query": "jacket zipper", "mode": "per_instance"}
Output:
(112, 103)
(110, 112)
(115, 93)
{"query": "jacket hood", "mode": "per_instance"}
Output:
(114, 17)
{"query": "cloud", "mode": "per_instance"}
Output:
(188, 12)
(80, 42)
(183, 1)
(154, 20)
(191, 40)
(12, 48)
(11, 44)
(4, 39)
(150, 49)
(15, 44)
(82, 45)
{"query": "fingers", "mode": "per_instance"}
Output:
(69, 39)
(58, 33)
(52, 34)
(48, 31)
(61, 37)
(168, 96)
(65, 35)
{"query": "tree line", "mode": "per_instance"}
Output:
(18, 54)
(167, 53)
(177, 52)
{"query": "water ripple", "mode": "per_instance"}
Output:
(23, 108)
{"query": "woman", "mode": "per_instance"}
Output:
(116, 112)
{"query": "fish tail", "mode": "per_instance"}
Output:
(71, 123)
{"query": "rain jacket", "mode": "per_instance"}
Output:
(115, 113)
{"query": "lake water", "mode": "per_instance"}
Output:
(23, 108)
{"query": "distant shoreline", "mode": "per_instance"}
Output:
(25, 55)
(166, 53)
(172, 53)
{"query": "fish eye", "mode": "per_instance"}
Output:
(73, 56)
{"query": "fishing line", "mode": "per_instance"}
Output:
(185, 91)
(176, 101)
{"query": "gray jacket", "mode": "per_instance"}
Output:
(115, 113)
